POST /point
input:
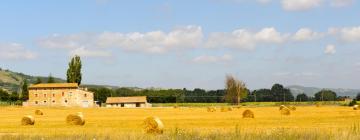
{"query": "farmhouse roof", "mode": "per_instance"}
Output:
(134, 99)
(55, 85)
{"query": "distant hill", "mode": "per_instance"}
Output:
(310, 91)
(11, 81)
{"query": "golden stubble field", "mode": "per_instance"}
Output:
(307, 122)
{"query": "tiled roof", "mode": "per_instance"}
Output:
(134, 99)
(55, 85)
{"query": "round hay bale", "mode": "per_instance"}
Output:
(224, 109)
(153, 125)
(75, 119)
(248, 114)
(292, 108)
(356, 107)
(285, 111)
(175, 106)
(282, 106)
(27, 120)
(38, 112)
(229, 108)
(211, 109)
(317, 104)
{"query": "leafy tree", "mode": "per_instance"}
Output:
(38, 80)
(14, 96)
(74, 71)
(358, 97)
(325, 95)
(302, 97)
(353, 102)
(262, 95)
(281, 94)
(51, 79)
(235, 90)
(25, 91)
(101, 94)
(4, 96)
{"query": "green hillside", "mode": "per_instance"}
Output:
(11, 81)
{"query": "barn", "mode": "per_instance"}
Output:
(127, 102)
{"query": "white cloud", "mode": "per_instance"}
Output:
(148, 42)
(347, 34)
(341, 3)
(65, 41)
(300, 5)
(15, 51)
(330, 49)
(269, 35)
(155, 41)
(212, 59)
(245, 39)
(84, 52)
(306, 34)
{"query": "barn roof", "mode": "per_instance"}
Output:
(55, 85)
(134, 99)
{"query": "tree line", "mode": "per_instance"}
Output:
(277, 93)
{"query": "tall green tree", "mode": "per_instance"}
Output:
(235, 90)
(74, 71)
(51, 79)
(14, 97)
(24, 91)
(302, 97)
(281, 94)
(4, 96)
(38, 80)
(325, 95)
(358, 97)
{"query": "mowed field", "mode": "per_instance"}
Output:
(307, 122)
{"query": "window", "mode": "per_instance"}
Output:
(53, 101)
(122, 104)
(36, 102)
(36, 95)
(66, 101)
(44, 102)
(85, 95)
(137, 104)
(44, 95)
(63, 94)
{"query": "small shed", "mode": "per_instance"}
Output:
(129, 102)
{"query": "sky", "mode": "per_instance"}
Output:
(186, 44)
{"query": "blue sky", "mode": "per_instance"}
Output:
(177, 44)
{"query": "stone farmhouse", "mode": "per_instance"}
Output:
(59, 94)
(128, 102)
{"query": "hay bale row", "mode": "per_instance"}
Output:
(27, 120)
(153, 125)
(356, 107)
(248, 114)
(211, 109)
(292, 108)
(225, 109)
(38, 112)
(285, 111)
(75, 119)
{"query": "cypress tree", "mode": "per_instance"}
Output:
(74, 71)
